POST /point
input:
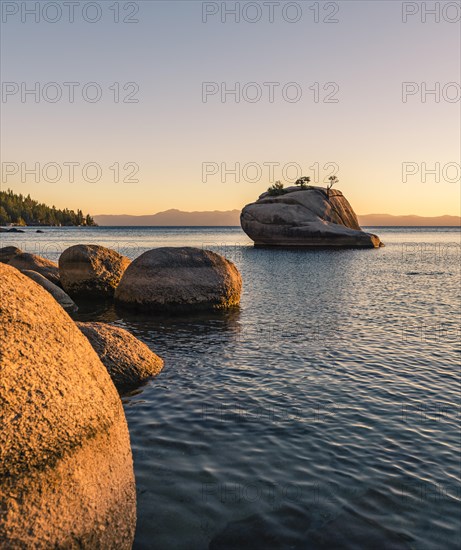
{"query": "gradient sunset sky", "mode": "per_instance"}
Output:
(171, 131)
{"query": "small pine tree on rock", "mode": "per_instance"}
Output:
(333, 180)
(303, 182)
(276, 189)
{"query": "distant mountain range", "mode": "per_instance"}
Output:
(409, 220)
(176, 217)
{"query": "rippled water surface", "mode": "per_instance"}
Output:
(325, 413)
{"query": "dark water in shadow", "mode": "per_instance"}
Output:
(324, 413)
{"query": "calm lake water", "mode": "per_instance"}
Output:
(325, 413)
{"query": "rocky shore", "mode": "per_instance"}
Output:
(66, 467)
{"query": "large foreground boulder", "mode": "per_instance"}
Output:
(58, 294)
(91, 271)
(7, 253)
(66, 470)
(311, 217)
(128, 360)
(180, 279)
(32, 262)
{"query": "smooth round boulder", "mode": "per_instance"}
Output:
(32, 262)
(66, 468)
(91, 271)
(58, 294)
(128, 360)
(7, 253)
(179, 279)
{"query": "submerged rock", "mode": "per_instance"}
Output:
(36, 263)
(282, 528)
(305, 217)
(66, 469)
(354, 530)
(180, 279)
(12, 230)
(8, 253)
(290, 528)
(128, 360)
(91, 271)
(58, 294)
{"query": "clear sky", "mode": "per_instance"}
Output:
(359, 53)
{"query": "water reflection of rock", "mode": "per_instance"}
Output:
(205, 329)
(102, 311)
(211, 323)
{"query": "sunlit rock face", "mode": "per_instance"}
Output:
(66, 469)
(91, 271)
(128, 361)
(174, 279)
(312, 217)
